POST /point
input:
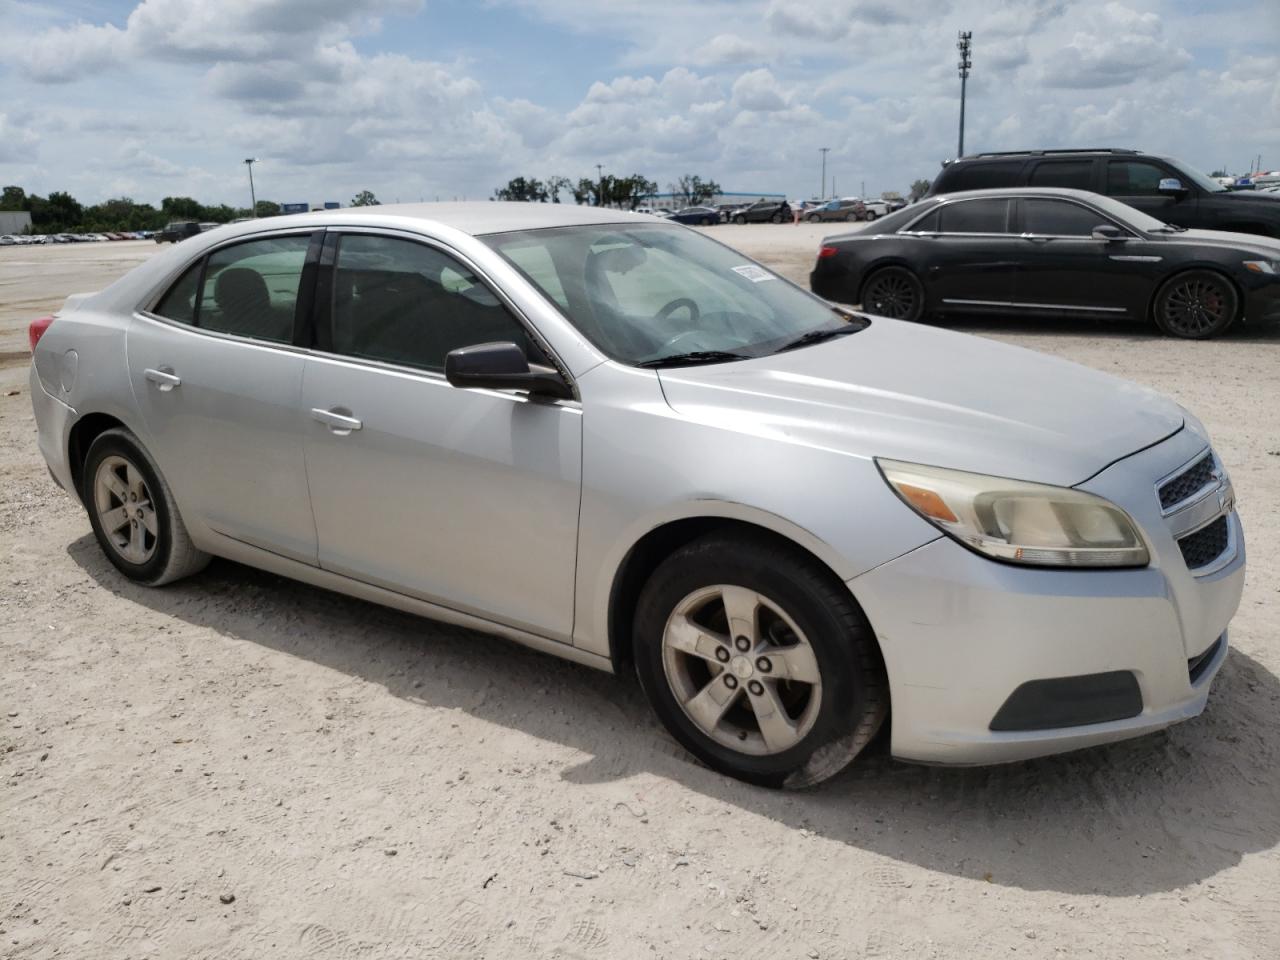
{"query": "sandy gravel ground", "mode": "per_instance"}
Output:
(366, 784)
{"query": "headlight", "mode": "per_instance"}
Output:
(1019, 522)
(1269, 267)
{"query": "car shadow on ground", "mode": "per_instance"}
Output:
(1182, 805)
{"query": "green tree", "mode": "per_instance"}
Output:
(365, 198)
(693, 190)
(1215, 174)
(266, 208)
(918, 189)
(181, 208)
(520, 189)
(555, 184)
(13, 198)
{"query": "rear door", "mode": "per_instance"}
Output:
(465, 498)
(218, 380)
(1063, 270)
(968, 255)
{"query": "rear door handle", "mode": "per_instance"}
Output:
(165, 379)
(339, 420)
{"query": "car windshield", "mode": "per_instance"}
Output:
(1195, 176)
(649, 294)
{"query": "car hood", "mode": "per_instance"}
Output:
(920, 394)
(1264, 246)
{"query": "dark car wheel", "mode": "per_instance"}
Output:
(813, 218)
(758, 661)
(849, 217)
(870, 215)
(1196, 305)
(707, 221)
(133, 514)
(739, 219)
(894, 292)
(776, 218)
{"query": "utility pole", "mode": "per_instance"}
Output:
(253, 197)
(863, 194)
(965, 45)
(600, 188)
(822, 195)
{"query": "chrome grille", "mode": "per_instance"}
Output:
(1201, 548)
(1188, 483)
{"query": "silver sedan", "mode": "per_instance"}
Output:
(619, 441)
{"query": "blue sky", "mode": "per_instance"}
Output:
(450, 98)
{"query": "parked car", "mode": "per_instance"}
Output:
(1164, 188)
(178, 230)
(875, 209)
(700, 216)
(836, 210)
(787, 518)
(1052, 252)
(762, 211)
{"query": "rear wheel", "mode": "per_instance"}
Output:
(758, 661)
(849, 217)
(133, 513)
(894, 292)
(1196, 305)
(870, 215)
(813, 218)
(739, 219)
(776, 218)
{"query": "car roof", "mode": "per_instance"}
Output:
(475, 218)
(1066, 192)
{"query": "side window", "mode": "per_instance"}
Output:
(926, 224)
(180, 302)
(1077, 174)
(982, 176)
(251, 289)
(1059, 218)
(975, 216)
(1133, 178)
(405, 302)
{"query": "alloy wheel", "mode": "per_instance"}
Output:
(741, 669)
(1195, 307)
(125, 509)
(893, 294)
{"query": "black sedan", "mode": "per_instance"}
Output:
(697, 216)
(1051, 252)
(763, 211)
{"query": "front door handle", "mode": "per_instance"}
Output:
(337, 419)
(165, 379)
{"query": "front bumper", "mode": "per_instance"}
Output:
(960, 633)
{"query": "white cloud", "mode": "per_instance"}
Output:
(759, 91)
(726, 48)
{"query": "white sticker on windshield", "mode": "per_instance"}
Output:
(753, 273)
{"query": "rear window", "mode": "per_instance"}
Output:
(1077, 174)
(974, 216)
(983, 175)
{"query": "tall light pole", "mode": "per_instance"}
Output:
(823, 194)
(253, 197)
(964, 45)
(600, 188)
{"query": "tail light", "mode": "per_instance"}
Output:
(36, 330)
(825, 252)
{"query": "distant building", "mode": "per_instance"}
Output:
(14, 221)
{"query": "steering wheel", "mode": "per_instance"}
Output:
(676, 304)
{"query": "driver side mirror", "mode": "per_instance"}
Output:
(1171, 185)
(1109, 232)
(503, 366)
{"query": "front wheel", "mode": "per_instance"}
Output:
(758, 661)
(813, 218)
(894, 292)
(776, 218)
(133, 513)
(739, 220)
(1196, 305)
(870, 215)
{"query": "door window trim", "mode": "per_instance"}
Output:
(322, 308)
(1019, 214)
(147, 305)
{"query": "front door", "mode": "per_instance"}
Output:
(465, 498)
(219, 385)
(1063, 270)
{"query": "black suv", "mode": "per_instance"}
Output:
(178, 230)
(1167, 189)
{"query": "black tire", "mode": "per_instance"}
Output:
(869, 215)
(813, 218)
(853, 693)
(776, 218)
(707, 221)
(849, 218)
(171, 553)
(1196, 305)
(739, 219)
(893, 292)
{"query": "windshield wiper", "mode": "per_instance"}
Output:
(693, 357)
(817, 336)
